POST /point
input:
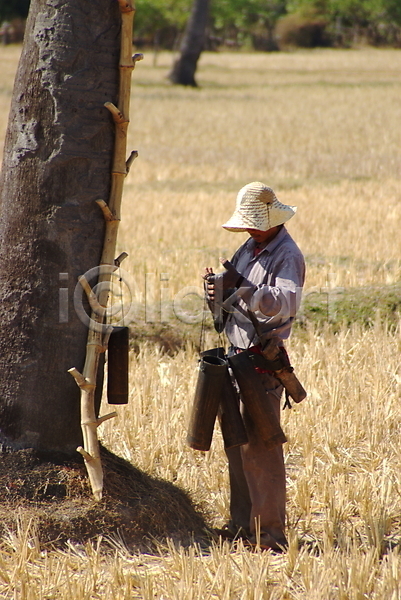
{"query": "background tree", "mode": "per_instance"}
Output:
(183, 71)
(13, 8)
(57, 162)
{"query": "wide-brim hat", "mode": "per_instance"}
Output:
(257, 207)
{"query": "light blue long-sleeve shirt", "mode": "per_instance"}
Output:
(278, 274)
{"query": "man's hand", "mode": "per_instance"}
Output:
(230, 279)
(208, 276)
(214, 298)
(227, 280)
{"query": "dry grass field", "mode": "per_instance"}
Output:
(323, 128)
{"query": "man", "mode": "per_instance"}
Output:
(263, 283)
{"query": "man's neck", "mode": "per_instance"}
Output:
(272, 234)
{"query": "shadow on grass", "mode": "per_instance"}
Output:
(54, 495)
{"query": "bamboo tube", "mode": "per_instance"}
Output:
(96, 343)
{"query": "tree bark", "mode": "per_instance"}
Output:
(183, 71)
(57, 163)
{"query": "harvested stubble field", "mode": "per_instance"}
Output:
(323, 128)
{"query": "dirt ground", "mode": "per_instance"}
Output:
(55, 496)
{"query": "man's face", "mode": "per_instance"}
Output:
(263, 236)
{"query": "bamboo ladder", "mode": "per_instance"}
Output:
(99, 334)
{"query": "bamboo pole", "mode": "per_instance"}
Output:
(98, 334)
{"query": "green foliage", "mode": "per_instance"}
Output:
(247, 20)
(155, 15)
(356, 12)
(377, 21)
(9, 9)
(245, 14)
(351, 12)
(393, 11)
(255, 20)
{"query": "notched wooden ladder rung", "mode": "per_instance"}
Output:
(120, 258)
(126, 7)
(130, 160)
(104, 418)
(137, 57)
(79, 378)
(85, 454)
(108, 215)
(118, 116)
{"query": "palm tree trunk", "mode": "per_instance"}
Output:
(57, 163)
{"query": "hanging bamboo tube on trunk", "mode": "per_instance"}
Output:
(98, 333)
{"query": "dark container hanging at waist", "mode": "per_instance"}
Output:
(117, 362)
(231, 423)
(211, 376)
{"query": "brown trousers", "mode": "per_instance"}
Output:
(257, 478)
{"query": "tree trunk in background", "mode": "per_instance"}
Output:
(57, 162)
(183, 71)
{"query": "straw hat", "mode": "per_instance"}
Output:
(257, 207)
